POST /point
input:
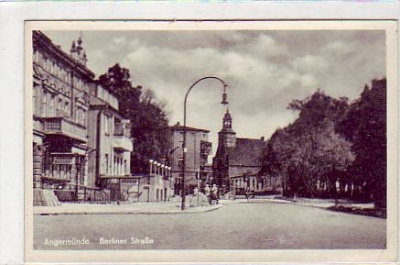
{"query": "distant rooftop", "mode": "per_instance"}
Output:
(178, 127)
(247, 152)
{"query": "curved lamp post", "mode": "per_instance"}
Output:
(224, 102)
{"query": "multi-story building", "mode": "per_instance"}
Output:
(198, 148)
(110, 143)
(81, 143)
(60, 113)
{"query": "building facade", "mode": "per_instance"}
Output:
(79, 138)
(110, 143)
(198, 148)
(157, 186)
(60, 114)
(238, 162)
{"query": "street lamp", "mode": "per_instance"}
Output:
(223, 102)
(162, 170)
(151, 166)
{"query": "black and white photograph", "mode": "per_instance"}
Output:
(222, 137)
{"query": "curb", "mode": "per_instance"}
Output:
(136, 211)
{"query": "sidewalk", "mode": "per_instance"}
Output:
(344, 206)
(173, 207)
(316, 203)
(125, 208)
(329, 203)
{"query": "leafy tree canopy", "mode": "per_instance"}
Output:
(309, 152)
(333, 140)
(148, 117)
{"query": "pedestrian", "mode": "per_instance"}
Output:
(207, 191)
(194, 199)
(248, 193)
(214, 194)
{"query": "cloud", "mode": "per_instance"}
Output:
(265, 70)
(119, 41)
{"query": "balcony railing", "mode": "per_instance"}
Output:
(122, 143)
(62, 126)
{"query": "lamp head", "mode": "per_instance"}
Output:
(224, 97)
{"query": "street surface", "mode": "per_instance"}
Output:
(234, 226)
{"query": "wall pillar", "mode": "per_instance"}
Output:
(37, 165)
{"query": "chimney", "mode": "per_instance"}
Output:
(262, 138)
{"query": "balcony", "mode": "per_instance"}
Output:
(122, 143)
(122, 128)
(63, 127)
(205, 148)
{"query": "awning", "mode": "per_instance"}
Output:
(56, 180)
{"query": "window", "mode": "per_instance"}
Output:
(52, 109)
(115, 169)
(53, 67)
(68, 173)
(107, 163)
(107, 124)
(83, 117)
(66, 107)
(44, 104)
(62, 167)
(59, 104)
(44, 63)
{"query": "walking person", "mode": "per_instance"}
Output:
(214, 194)
(248, 192)
(207, 192)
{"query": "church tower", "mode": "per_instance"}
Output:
(227, 137)
(226, 146)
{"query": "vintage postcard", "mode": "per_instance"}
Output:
(211, 141)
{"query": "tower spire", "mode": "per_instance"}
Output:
(227, 120)
(77, 50)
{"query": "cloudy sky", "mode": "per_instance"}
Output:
(265, 70)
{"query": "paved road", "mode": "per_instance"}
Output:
(235, 226)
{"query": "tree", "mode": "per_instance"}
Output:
(365, 126)
(148, 117)
(309, 154)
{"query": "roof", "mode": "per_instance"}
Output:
(96, 103)
(44, 42)
(227, 116)
(178, 127)
(247, 152)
